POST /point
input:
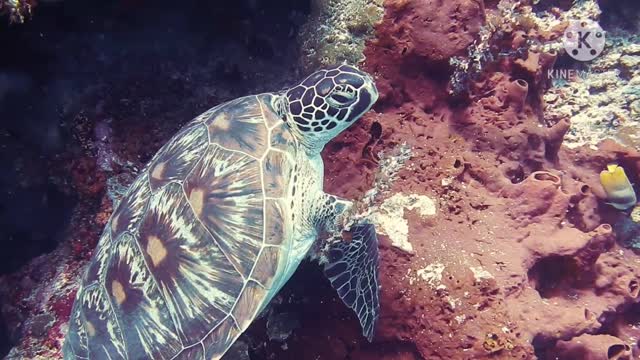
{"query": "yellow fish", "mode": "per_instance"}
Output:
(616, 184)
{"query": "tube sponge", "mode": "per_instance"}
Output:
(620, 193)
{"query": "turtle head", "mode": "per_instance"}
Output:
(327, 102)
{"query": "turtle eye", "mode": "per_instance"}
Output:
(342, 96)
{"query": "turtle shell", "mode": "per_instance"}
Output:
(191, 253)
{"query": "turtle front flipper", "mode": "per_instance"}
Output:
(352, 269)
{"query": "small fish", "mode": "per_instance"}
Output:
(616, 184)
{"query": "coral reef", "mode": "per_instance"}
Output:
(519, 255)
(593, 347)
(603, 101)
(514, 30)
(496, 240)
(336, 31)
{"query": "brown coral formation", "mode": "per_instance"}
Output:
(594, 347)
(520, 259)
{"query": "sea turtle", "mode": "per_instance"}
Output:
(219, 220)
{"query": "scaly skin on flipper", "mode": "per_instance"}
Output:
(351, 266)
(352, 269)
(215, 225)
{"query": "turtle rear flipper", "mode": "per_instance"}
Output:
(352, 269)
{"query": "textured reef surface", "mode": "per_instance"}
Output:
(497, 241)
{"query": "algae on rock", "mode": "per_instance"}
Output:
(514, 19)
(603, 102)
(337, 31)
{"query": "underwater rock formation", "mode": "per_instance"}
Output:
(336, 31)
(521, 236)
(605, 103)
(506, 248)
(593, 347)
